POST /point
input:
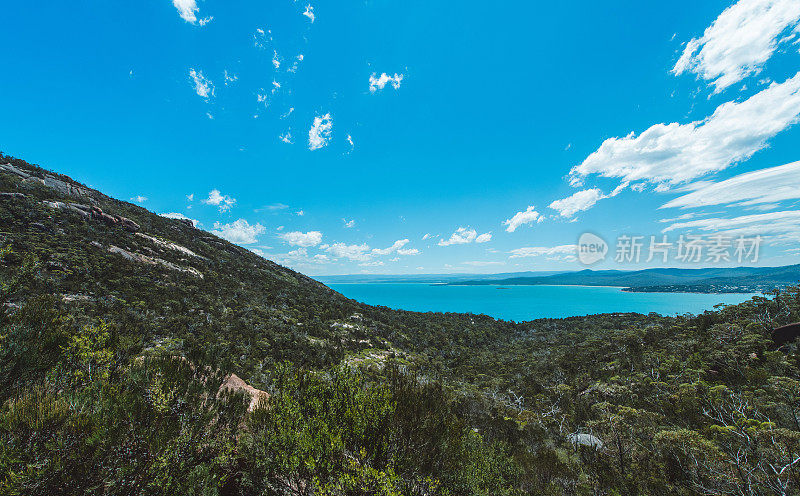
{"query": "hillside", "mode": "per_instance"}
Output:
(711, 280)
(122, 330)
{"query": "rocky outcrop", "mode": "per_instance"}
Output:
(587, 440)
(138, 257)
(236, 384)
(95, 213)
(48, 181)
(169, 245)
(12, 195)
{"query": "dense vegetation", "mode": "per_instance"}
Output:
(111, 366)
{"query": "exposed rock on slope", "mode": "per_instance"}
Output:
(234, 383)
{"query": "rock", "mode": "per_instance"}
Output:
(12, 195)
(138, 257)
(234, 383)
(129, 225)
(587, 440)
(13, 170)
(49, 181)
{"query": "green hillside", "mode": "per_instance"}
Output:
(122, 329)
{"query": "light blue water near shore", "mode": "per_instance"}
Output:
(521, 303)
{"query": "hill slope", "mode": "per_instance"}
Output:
(122, 328)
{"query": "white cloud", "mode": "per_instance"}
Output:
(286, 137)
(484, 238)
(583, 200)
(202, 85)
(139, 199)
(669, 154)
(464, 235)
(779, 226)
(408, 251)
(309, 12)
(545, 251)
(395, 246)
(297, 238)
(348, 224)
(300, 256)
(224, 202)
(205, 20)
(578, 202)
(739, 42)
(427, 235)
(239, 232)
(190, 198)
(276, 60)
(176, 215)
(350, 140)
(300, 213)
(187, 10)
(262, 38)
(379, 82)
(765, 186)
(359, 253)
(320, 133)
(527, 216)
(296, 63)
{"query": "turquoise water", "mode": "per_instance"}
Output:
(521, 303)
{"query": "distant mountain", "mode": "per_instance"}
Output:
(706, 280)
(426, 278)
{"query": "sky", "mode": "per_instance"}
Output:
(414, 137)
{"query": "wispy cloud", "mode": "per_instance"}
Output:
(670, 154)
(527, 216)
(765, 186)
(309, 13)
(203, 86)
(139, 199)
(778, 226)
(566, 252)
(239, 232)
(348, 224)
(583, 200)
(739, 42)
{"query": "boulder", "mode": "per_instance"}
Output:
(588, 440)
(234, 383)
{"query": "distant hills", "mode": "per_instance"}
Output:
(427, 278)
(663, 280)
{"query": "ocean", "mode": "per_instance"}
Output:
(520, 303)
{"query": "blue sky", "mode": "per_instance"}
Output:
(410, 137)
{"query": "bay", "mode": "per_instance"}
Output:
(521, 303)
